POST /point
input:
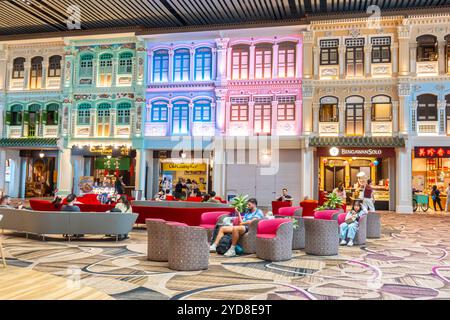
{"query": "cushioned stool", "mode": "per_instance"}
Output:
(248, 240)
(321, 234)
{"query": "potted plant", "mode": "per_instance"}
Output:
(240, 202)
(333, 202)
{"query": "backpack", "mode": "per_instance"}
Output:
(224, 244)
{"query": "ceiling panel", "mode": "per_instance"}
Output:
(44, 16)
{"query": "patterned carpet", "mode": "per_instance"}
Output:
(410, 261)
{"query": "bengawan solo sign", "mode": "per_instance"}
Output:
(356, 152)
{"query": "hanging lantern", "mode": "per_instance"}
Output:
(376, 163)
(325, 161)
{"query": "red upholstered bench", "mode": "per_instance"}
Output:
(194, 199)
(84, 207)
(42, 205)
(208, 220)
(189, 216)
(276, 205)
(290, 212)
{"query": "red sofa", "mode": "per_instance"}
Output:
(189, 216)
(43, 205)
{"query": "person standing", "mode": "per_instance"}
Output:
(447, 203)
(368, 201)
(436, 197)
(284, 195)
(119, 185)
(340, 192)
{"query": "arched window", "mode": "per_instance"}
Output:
(203, 64)
(354, 116)
(381, 108)
(33, 119)
(54, 66)
(51, 116)
(286, 59)
(161, 66)
(105, 70)
(447, 112)
(124, 113)
(16, 115)
(125, 63)
(36, 73)
(427, 48)
(84, 114)
(329, 111)
(263, 61)
(180, 117)
(240, 62)
(202, 111)
(427, 107)
(103, 119)
(181, 64)
(85, 71)
(18, 68)
(159, 111)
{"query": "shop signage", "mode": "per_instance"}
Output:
(356, 152)
(112, 163)
(432, 152)
(184, 167)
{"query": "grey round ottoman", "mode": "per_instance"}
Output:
(321, 237)
(373, 225)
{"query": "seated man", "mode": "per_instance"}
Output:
(252, 213)
(70, 206)
(284, 196)
(212, 197)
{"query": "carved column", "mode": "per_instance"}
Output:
(44, 73)
(404, 90)
(395, 119)
(299, 60)
(220, 111)
(27, 75)
(170, 75)
(3, 68)
(214, 65)
(394, 60)
(413, 58)
(150, 67)
(316, 109)
(368, 119)
(342, 119)
(274, 117)
(307, 55)
(114, 70)
(229, 63)
(252, 62)
(367, 59)
(341, 61)
(170, 117)
(222, 62)
(275, 61)
(251, 112)
(94, 71)
(307, 98)
(442, 56)
(112, 121)
(441, 116)
(192, 64)
(403, 50)
(316, 62)
(414, 124)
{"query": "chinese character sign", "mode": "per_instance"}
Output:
(432, 152)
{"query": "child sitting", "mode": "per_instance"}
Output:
(350, 226)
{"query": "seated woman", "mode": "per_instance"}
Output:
(350, 226)
(123, 205)
(252, 213)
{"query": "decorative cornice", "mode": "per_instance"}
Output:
(178, 85)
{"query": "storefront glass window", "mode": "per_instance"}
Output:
(161, 66)
(203, 64)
